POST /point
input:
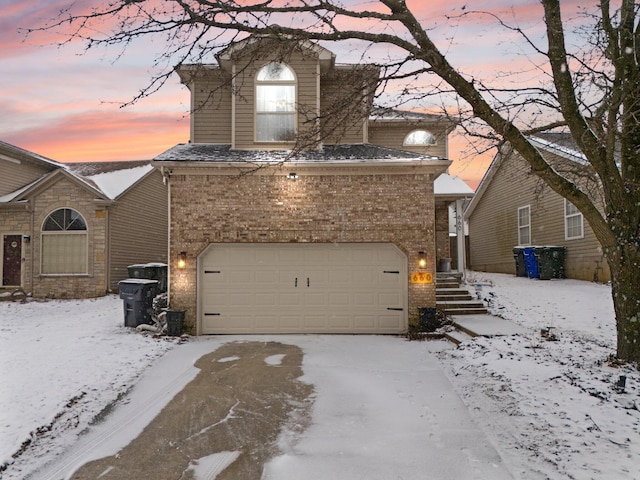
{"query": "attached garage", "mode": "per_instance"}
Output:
(302, 288)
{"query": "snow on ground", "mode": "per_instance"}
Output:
(61, 364)
(549, 407)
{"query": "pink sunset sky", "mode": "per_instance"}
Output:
(65, 103)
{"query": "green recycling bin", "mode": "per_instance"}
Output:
(550, 262)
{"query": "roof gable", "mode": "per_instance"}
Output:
(560, 144)
(12, 153)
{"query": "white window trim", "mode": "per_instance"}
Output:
(578, 214)
(522, 226)
(255, 106)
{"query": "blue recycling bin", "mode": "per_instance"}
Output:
(531, 262)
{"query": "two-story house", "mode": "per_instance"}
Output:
(297, 207)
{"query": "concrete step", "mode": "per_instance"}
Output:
(453, 297)
(452, 291)
(462, 308)
(446, 284)
(458, 336)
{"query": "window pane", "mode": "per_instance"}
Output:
(420, 137)
(276, 72)
(574, 227)
(275, 127)
(64, 219)
(64, 253)
(525, 237)
(276, 98)
(570, 208)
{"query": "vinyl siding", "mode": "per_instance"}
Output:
(343, 106)
(15, 176)
(211, 116)
(390, 135)
(139, 215)
(493, 225)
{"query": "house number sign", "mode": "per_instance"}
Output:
(421, 277)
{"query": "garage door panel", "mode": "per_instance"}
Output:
(303, 288)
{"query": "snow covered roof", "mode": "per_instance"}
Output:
(330, 154)
(391, 114)
(451, 185)
(114, 183)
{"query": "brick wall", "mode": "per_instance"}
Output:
(265, 206)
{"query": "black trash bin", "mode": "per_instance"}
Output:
(550, 262)
(521, 266)
(151, 271)
(138, 295)
(428, 321)
(175, 322)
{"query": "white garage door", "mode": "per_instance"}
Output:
(302, 288)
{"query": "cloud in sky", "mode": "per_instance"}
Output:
(64, 103)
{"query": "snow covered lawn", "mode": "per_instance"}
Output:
(550, 407)
(61, 364)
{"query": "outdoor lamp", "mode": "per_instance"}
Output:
(182, 260)
(422, 260)
(292, 176)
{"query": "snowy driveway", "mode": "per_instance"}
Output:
(381, 408)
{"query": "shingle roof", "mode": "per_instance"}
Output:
(351, 153)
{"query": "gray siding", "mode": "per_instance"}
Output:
(138, 227)
(493, 224)
(392, 136)
(211, 116)
(14, 176)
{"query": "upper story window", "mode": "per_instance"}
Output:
(64, 243)
(524, 225)
(419, 138)
(573, 221)
(275, 104)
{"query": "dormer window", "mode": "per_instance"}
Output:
(419, 138)
(275, 104)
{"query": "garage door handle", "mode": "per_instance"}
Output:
(308, 282)
(295, 284)
(211, 314)
(395, 309)
(392, 271)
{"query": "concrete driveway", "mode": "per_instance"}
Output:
(288, 407)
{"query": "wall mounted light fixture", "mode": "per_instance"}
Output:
(422, 260)
(26, 238)
(292, 176)
(182, 260)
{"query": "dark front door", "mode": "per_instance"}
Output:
(11, 260)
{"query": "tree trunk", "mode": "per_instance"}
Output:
(625, 279)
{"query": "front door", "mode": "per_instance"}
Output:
(11, 260)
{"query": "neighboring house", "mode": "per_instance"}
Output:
(69, 231)
(296, 207)
(512, 207)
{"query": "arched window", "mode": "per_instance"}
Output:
(275, 103)
(64, 243)
(419, 138)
